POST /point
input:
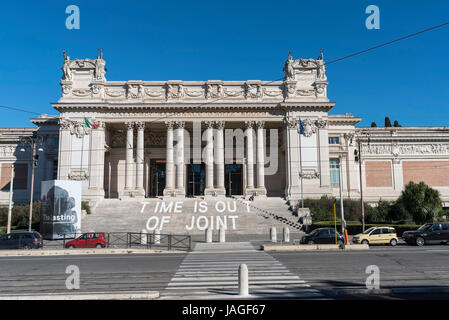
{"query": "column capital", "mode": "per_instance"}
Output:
(219, 124)
(290, 123)
(249, 124)
(169, 124)
(179, 124)
(140, 125)
(260, 124)
(209, 124)
(129, 125)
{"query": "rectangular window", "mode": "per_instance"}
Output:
(334, 140)
(20, 176)
(334, 164)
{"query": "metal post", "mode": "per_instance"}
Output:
(342, 210)
(361, 187)
(32, 184)
(11, 188)
(169, 242)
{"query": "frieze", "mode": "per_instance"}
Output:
(411, 149)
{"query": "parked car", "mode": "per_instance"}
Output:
(322, 236)
(377, 235)
(21, 240)
(88, 240)
(429, 233)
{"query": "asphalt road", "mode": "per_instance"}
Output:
(405, 267)
(400, 267)
(98, 273)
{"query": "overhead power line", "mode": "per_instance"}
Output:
(389, 42)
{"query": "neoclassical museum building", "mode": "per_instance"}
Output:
(257, 139)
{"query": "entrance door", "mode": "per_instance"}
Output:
(157, 178)
(233, 179)
(196, 179)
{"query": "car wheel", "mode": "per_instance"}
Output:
(98, 245)
(26, 247)
(311, 242)
(71, 246)
(393, 242)
(420, 242)
(364, 242)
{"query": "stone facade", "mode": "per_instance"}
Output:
(174, 139)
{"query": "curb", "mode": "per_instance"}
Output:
(313, 247)
(126, 295)
(67, 252)
(400, 290)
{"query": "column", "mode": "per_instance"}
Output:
(129, 158)
(293, 186)
(209, 155)
(260, 159)
(96, 176)
(64, 149)
(169, 164)
(180, 188)
(140, 158)
(219, 159)
(249, 158)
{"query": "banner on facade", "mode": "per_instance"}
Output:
(60, 209)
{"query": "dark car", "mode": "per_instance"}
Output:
(429, 233)
(88, 240)
(21, 240)
(322, 236)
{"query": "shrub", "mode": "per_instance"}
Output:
(422, 202)
(20, 215)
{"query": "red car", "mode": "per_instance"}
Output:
(88, 240)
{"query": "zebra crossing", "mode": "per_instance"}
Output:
(211, 272)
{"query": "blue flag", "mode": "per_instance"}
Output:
(301, 127)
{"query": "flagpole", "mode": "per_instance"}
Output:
(300, 164)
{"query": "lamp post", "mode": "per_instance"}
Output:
(361, 183)
(32, 142)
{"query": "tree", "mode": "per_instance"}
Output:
(387, 122)
(421, 201)
(373, 124)
(396, 124)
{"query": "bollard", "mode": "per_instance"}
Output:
(208, 235)
(157, 237)
(285, 234)
(143, 237)
(222, 234)
(243, 280)
(273, 237)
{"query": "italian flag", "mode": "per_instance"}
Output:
(90, 124)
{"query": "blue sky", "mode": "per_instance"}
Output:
(233, 40)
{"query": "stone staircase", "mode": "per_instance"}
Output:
(185, 216)
(276, 209)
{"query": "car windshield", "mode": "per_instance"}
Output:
(368, 230)
(314, 231)
(425, 227)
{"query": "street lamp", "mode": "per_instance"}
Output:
(358, 154)
(33, 141)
